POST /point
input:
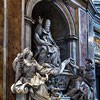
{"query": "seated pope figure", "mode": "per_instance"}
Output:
(47, 50)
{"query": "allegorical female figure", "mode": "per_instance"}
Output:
(31, 75)
(27, 76)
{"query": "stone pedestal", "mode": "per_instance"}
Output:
(20, 96)
(65, 98)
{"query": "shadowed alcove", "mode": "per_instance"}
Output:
(59, 25)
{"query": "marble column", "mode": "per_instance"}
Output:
(82, 36)
(71, 40)
(91, 44)
(23, 27)
(5, 49)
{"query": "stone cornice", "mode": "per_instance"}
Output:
(84, 4)
(97, 58)
(71, 37)
(76, 3)
(91, 8)
(97, 27)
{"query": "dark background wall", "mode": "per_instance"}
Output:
(14, 40)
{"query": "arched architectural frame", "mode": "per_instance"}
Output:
(60, 4)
